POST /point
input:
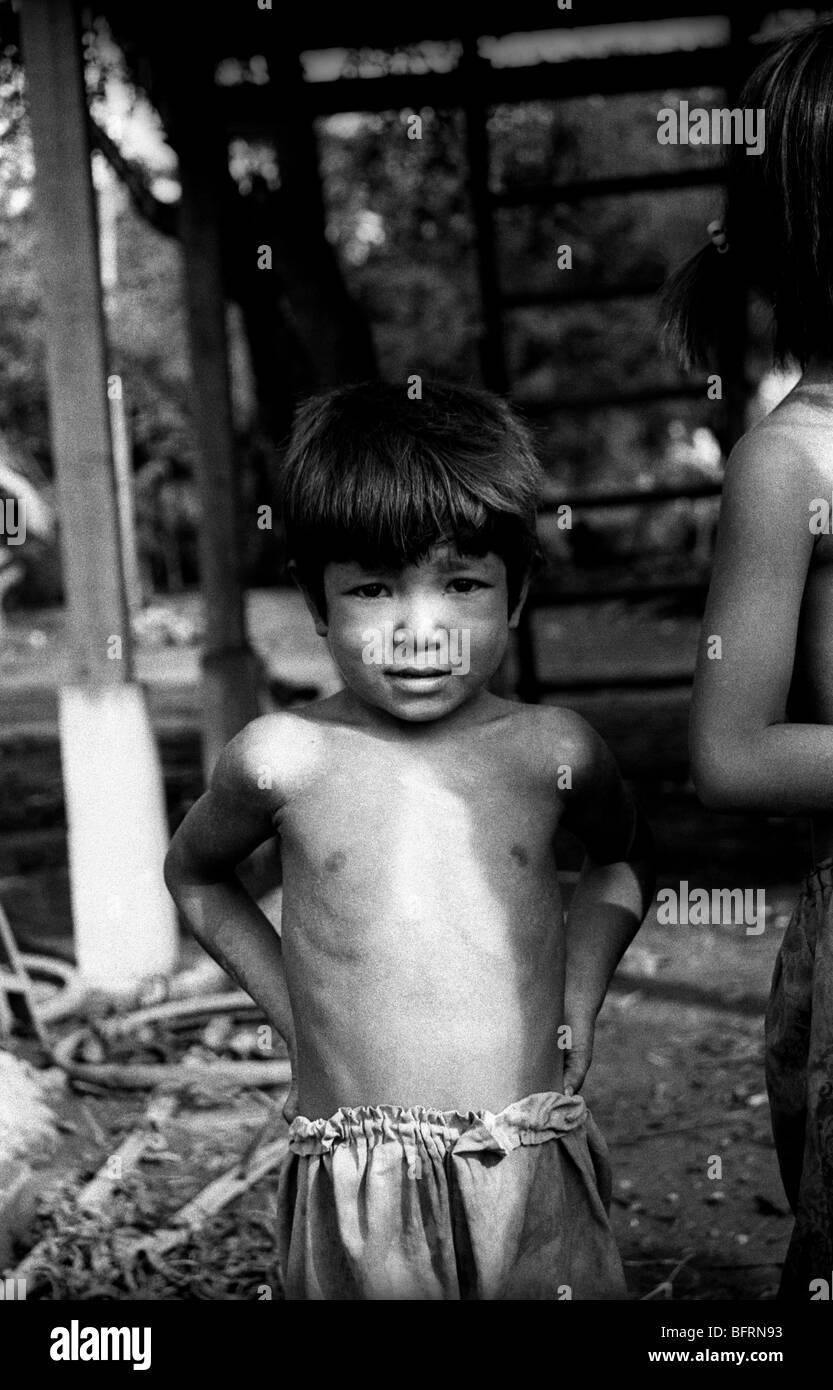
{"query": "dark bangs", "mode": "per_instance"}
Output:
(379, 479)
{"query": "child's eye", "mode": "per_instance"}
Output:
(468, 585)
(367, 590)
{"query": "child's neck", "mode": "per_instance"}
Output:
(482, 707)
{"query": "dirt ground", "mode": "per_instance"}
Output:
(110, 1255)
(678, 1088)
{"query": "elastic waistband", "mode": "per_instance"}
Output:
(533, 1120)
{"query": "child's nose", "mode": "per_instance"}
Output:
(418, 620)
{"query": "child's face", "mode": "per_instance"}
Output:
(421, 641)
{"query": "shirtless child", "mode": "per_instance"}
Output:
(762, 714)
(424, 983)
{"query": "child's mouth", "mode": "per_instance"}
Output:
(422, 678)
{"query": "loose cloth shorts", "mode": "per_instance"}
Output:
(387, 1202)
(799, 1073)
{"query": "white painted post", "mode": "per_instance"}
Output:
(124, 923)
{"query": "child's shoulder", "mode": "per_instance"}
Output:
(274, 752)
(561, 738)
(786, 453)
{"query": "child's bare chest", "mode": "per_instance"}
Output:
(390, 848)
(368, 810)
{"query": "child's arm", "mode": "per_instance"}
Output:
(227, 823)
(614, 890)
(744, 757)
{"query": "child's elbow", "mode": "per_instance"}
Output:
(711, 795)
(717, 782)
(172, 868)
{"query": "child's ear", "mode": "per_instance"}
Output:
(310, 600)
(515, 615)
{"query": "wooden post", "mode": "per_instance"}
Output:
(732, 358)
(491, 340)
(492, 349)
(229, 669)
(125, 926)
(122, 463)
(330, 325)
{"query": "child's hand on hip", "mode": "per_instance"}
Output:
(579, 1055)
(290, 1109)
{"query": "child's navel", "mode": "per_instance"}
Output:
(520, 854)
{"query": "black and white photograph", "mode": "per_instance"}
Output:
(416, 666)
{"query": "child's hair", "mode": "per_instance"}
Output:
(375, 477)
(777, 217)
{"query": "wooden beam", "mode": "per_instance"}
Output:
(76, 360)
(327, 322)
(228, 668)
(491, 344)
(245, 106)
(731, 363)
(682, 391)
(628, 591)
(630, 497)
(239, 31)
(547, 194)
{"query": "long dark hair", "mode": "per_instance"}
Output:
(778, 213)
